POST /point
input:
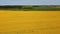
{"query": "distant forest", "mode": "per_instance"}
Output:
(31, 7)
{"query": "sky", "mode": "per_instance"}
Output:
(29, 2)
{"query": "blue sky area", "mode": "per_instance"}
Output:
(29, 2)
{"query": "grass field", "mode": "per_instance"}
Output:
(29, 22)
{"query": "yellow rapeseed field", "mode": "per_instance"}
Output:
(29, 22)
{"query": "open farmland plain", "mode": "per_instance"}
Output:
(29, 22)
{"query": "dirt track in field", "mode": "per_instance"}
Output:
(29, 22)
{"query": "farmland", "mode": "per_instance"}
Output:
(29, 22)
